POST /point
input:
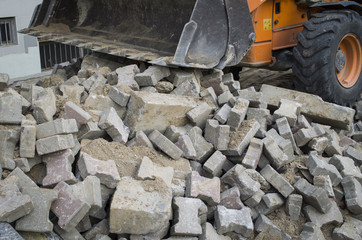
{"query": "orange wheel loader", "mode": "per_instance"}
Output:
(319, 39)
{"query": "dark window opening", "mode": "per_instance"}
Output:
(7, 31)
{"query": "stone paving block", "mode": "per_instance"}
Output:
(351, 230)
(152, 75)
(114, 126)
(69, 209)
(270, 202)
(203, 148)
(239, 178)
(38, 219)
(213, 80)
(312, 106)
(293, 206)
(4, 81)
(72, 92)
(56, 127)
(44, 107)
(284, 144)
(315, 196)
(199, 114)
(73, 111)
(140, 139)
(253, 153)
(214, 164)
(22, 163)
(59, 168)
(163, 109)
(230, 198)
(97, 104)
(209, 233)
(90, 130)
(273, 152)
(149, 171)
(136, 210)
(303, 136)
(277, 181)
(165, 145)
(206, 189)
(333, 145)
(217, 134)
(8, 140)
(225, 97)
(100, 213)
(209, 95)
(185, 144)
(106, 171)
(13, 204)
(189, 214)
(254, 98)
(333, 215)
(256, 176)
(237, 113)
(353, 194)
(120, 95)
(84, 225)
(223, 114)
(173, 132)
(8, 232)
(239, 140)
(286, 132)
(54, 144)
(254, 200)
(317, 166)
(27, 141)
(324, 181)
(231, 220)
(126, 76)
(10, 109)
(318, 144)
(264, 224)
(346, 167)
(25, 104)
(260, 114)
(72, 234)
(355, 154)
(311, 232)
(100, 228)
(23, 179)
(288, 109)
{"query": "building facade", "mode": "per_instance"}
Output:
(19, 53)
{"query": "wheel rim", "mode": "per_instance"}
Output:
(348, 62)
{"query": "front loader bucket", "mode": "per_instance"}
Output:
(190, 33)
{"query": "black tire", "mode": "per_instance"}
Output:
(314, 56)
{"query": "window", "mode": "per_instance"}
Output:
(7, 31)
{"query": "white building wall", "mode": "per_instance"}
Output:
(22, 59)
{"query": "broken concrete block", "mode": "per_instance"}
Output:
(223, 114)
(27, 141)
(8, 232)
(54, 144)
(4, 81)
(106, 171)
(217, 134)
(38, 219)
(225, 97)
(173, 132)
(10, 109)
(23, 164)
(353, 194)
(237, 113)
(120, 95)
(152, 75)
(25, 104)
(351, 230)
(238, 177)
(13, 204)
(264, 224)
(312, 106)
(273, 152)
(254, 98)
(209, 233)
(203, 148)
(8, 140)
(213, 80)
(231, 220)
(318, 144)
(56, 127)
(288, 109)
(156, 111)
(333, 215)
(72, 92)
(84, 225)
(214, 164)
(209, 95)
(315, 196)
(44, 107)
(311, 232)
(100, 213)
(317, 166)
(140, 139)
(256, 176)
(240, 139)
(149, 171)
(189, 215)
(126, 76)
(346, 167)
(113, 124)
(97, 104)
(69, 209)
(284, 144)
(231, 199)
(259, 114)
(293, 206)
(137, 210)
(286, 132)
(355, 154)
(253, 153)
(333, 144)
(324, 181)
(254, 200)
(206, 189)
(199, 114)
(101, 228)
(185, 144)
(270, 202)
(90, 130)
(277, 181)
(23, 179)
(165, 145)
(73, 111)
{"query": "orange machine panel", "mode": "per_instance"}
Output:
(263, 22)
(258, 55)
(286, 37)
(287, 13)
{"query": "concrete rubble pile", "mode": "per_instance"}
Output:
(129, 152)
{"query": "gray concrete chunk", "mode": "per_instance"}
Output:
(350, 230)
(10, 109)
(54, 144)
(56, 127)
(151, 76)
(333, 215)
(277, 181)
(294, 206)
(8, 140)
(199, 114)
(8, 232)
(311, 232)
(114, 126)
(353, 194)
(203, 148)
(165, 145)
